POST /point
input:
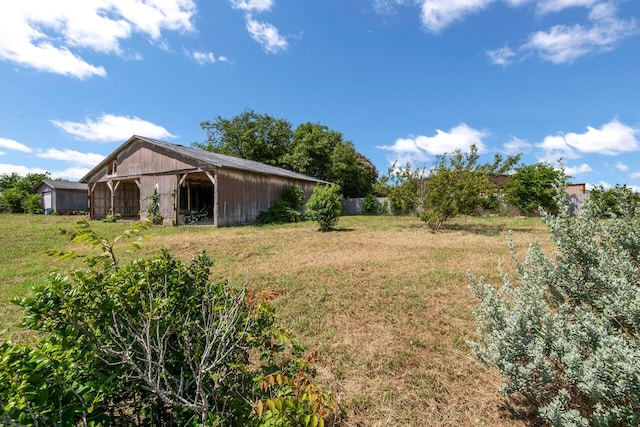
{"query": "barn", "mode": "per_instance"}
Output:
(62, 196)
(192, 184)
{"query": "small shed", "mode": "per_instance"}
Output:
(63, 196)
(210, 187)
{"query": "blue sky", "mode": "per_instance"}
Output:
(403, 80)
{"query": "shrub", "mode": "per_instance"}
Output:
(111, 217)
(371, 205)
(151, 342)
(32, 204)
(565, 333)
(532, 187)
(285, 210)
(325, 205)
(613, 201)
(153, 210)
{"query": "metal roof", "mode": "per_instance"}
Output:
(213, 159)
(64, 185)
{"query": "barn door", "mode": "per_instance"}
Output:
(47, 202)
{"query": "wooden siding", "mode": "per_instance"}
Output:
(243, 195)
(232, 192)
(69, 200)
(100, 201)
(167, 188)
(576, 189)
(140, 159)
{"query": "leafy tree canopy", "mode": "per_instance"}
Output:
(251, 136)
(18, 193)
(323, 153)
(456, 184)
(613, 202)
(531, 187)
(312, 149)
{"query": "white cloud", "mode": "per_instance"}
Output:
(110, 128)
(266, 35)
(405, 151)
(603, 184)
(10, 144)
(516, 146)
(46, 35)
(73, 173)
(438, 14)
(252, 5)
(460, 137)
(204, 58)
(635, 175)
(76, 157)
(415, 148)
(551, 6)
(562, 43)
(8, 169)
(554, 148)
(621, 166)
(502, 56)
(611, 139)
(385, 7)
(577, 170)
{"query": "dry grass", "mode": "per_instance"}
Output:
(385, 300)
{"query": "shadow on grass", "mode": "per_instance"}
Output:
(336, 230)
(479, 229)
(519, 409)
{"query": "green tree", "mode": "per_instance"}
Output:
(312, 147)
(249, 135)
(563, 330)
(456, 184)
(351, 171)
(32, 204)
(323, 153)
(611, 202)
(403, 187)
(8, 181)
(531, 187)
(17, 193)
(324, 206)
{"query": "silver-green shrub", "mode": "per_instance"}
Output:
(565, 331)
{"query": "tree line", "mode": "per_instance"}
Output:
(18, 193)
(457, 183)
(311, 149)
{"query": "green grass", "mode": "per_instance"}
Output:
(384, 299)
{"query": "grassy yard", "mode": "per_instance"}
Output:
(384, 299)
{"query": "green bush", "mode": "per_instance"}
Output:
(286, 210)
(32, 204)
(324, 206)
(564, 332)
(152, 342)
(532, 187)
(153, 210)
(614, 201)
(371, 205)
